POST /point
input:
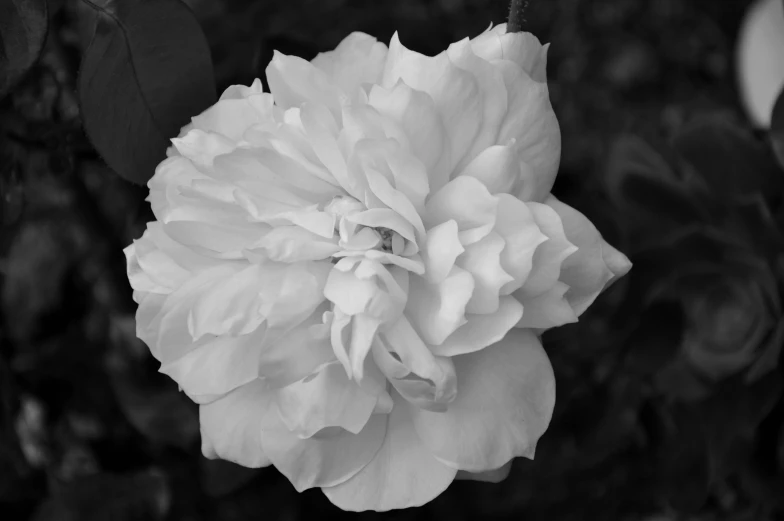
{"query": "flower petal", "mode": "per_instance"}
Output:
(483, 261)
(522, 48)
(516, 224)
(548, 309)
(467, 201)
(231, 426)
(549, 255)
(498, 167)
(324, 460)
(437, 310)
(586, 271)
(481, 331)
(402, 474)
(358, 59)
(456, 93)
(531, 127)
(443, 248)
(416, 113)
(325, 398)
(506, 399)
(294, 81)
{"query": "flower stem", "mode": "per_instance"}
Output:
(516, 10)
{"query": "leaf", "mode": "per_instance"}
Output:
(777, 129)
(642, 181)
(23, 27)
(728, 158)
(146, 72)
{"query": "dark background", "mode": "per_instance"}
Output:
(90, 431)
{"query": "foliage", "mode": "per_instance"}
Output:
(669, 389)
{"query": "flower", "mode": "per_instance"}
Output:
(349, 273)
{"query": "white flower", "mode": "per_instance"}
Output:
(349, 274)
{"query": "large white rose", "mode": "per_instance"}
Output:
(349, 273)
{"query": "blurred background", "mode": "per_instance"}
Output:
(669, 389)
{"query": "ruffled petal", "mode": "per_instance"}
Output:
(443, 248)
(437, 310)
(549, 309)
(492, 91)
(481, 331)
(498, 167)
(490, 476)
(219, 366)
(324, 460)
(549, 255)
(456, 93)
(516, 224)
(416, 112)
(290, 355)
(506, 399)
(466, 201)
(522, 48)
(402, 474)
(325, 398)
(294, 81)
(358, 59)
(586, 272)
(231, 426)
(531, 127)
(483, 261)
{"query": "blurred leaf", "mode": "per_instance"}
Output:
(143, 496)
(777, 129)
(221, 477)
(641, 180)
(730, 160)
(23, 27)
(769, 356)
(146, 72)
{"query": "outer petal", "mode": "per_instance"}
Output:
(218, 366)
(482, 259)
(419, 118)
(325, 398)
(490, 476)
(522, 48)
(531, 126)
(324, 460)
(481, 331)
(498, 167)
(550, 309)
(467, 201)
(594, 265)
(437, 310)
(294, 81)
(231, 426)
(456, 93)
(358, 59)
(516, 224)
(402, 474)
(549, 256)
(505, 402)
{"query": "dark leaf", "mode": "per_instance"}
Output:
(647, 189)
(730, 160)
(146, 72)
(23, 26)
(777, 129)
